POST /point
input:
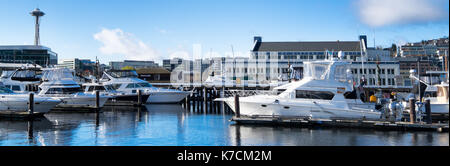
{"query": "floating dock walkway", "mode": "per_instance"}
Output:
(342, 123)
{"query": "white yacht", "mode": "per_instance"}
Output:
(116, 96)
(22, 80)
(10, 101)
(320, 94)
(126, 81)
(437, 93)
(439, 102)
(59, 84)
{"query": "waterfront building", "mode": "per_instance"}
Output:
(154, 75)
(28, 54)
(84, 67)
(133, 64)
(171, 64)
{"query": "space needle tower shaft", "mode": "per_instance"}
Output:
(37, 13)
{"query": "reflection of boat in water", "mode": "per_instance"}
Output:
(321, 94)
(164, 108)
(20, 125)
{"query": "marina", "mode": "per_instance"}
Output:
(280, 93)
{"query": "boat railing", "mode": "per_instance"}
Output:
(246, 93)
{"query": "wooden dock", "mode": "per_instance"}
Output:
(342, 123)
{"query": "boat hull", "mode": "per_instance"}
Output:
(320, 111)
(439, 108)
(84, 101)
(20, 104)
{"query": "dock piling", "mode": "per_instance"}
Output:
(31, 103)
(236, 106)
(412, 110)
(428, 111)
(139, 94)
(97, 99)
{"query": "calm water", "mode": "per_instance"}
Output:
(170, 125)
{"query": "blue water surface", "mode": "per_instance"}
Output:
(171, 125)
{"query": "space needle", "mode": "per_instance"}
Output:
(37, 13)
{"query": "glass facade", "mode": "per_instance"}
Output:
(42, 56)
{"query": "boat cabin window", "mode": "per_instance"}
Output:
(116, 86)
(109, 87)
(351, 95)
(139, 85)
(95, 88)
(5, 90)
(306, 94)
(63, 90)
(130, 86)
(15, 88)
(144, 85)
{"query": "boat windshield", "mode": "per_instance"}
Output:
(123, 74)
(57, 74)
(5, 90)
(316, 71)
(7, 73)
(30, 75)
(324, 71)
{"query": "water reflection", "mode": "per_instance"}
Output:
(171, 125)
(250, 135)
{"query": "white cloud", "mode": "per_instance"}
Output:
(377, 13)
(116, 41)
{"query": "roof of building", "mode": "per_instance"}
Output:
(18, 65)
(308, 46)
(23, 47)
(154, 70)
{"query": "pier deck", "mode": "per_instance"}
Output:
(342, 123)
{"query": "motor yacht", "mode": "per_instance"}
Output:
(59, 84)
(436, 93)
(23, 80)
(10, 101)
(126, 81)
(320, 94)
(116, 96)
(439, 102)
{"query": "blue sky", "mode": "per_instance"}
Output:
(115, 30)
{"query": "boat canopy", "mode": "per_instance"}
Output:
(327, 70)
(26, 75)
(55, 74)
